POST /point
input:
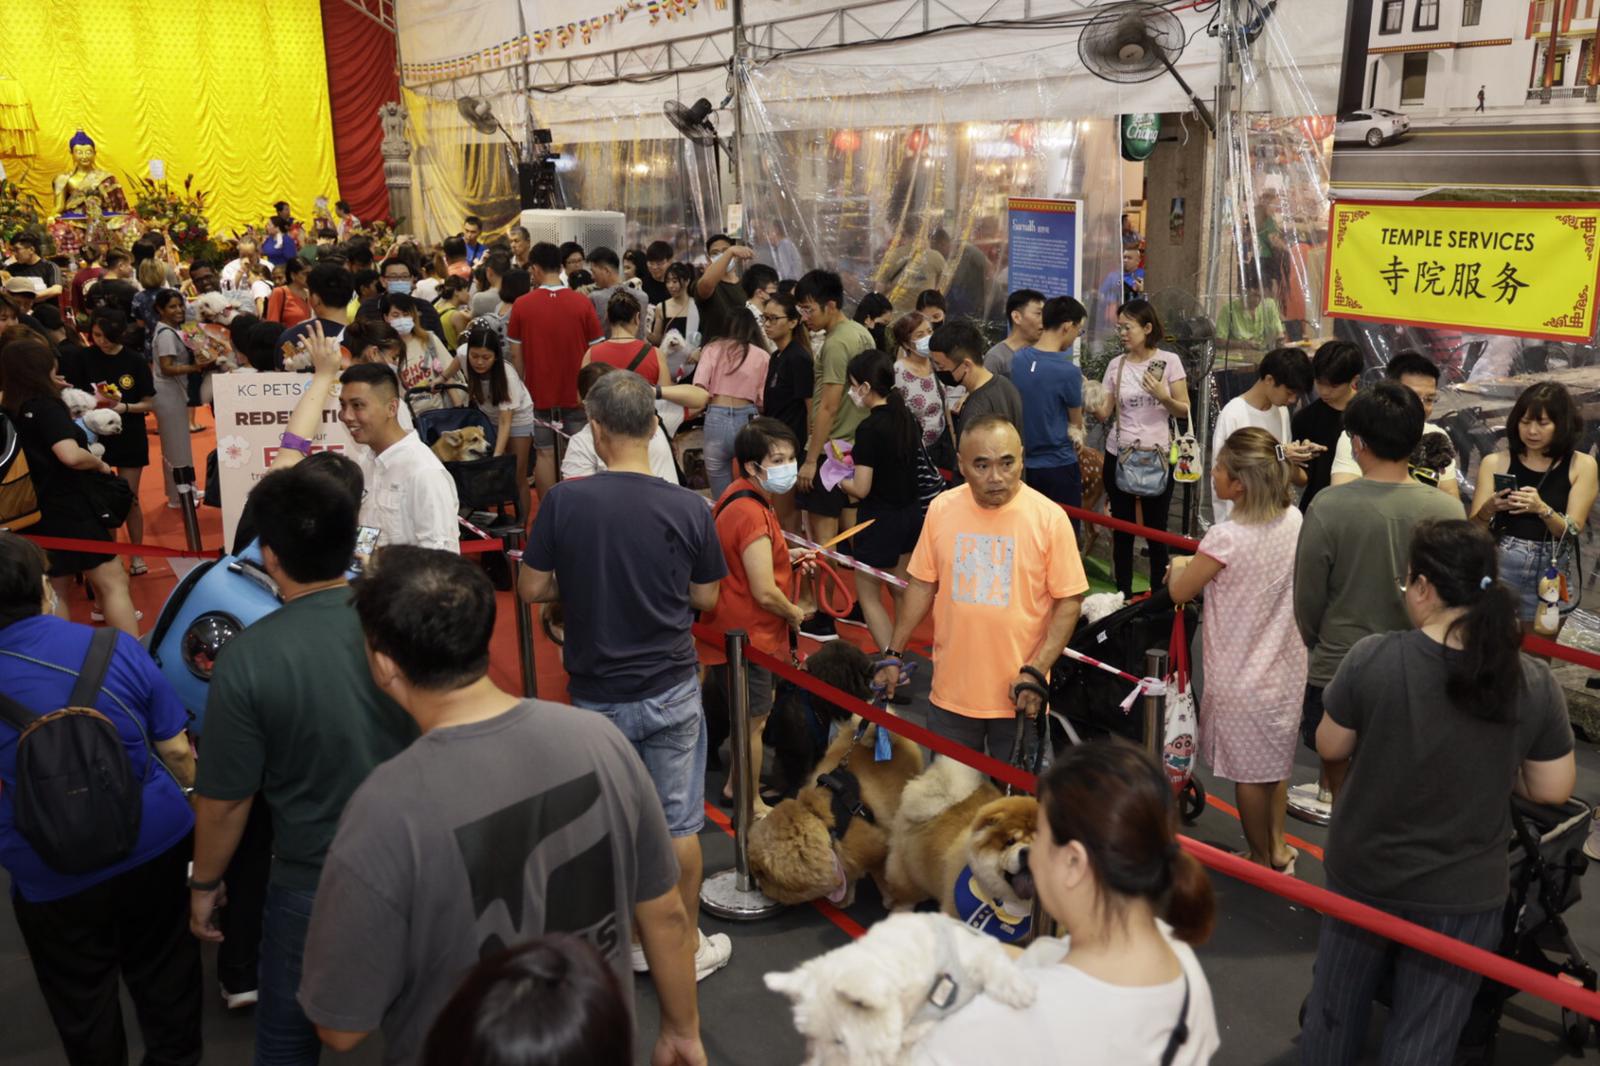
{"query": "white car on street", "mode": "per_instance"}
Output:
(1374, 126)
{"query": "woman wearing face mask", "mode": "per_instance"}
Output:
(885, 483)
(790, 374)
(754, 595)
(874, 312)
(916, 380)
(422, 358)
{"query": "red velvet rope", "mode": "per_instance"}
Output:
(1513, 974)
(110, 547)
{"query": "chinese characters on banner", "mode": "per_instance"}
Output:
(1043, 252)
(1530, 270)
(252, 411)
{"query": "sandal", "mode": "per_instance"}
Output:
(1287, 869)
(138, 569)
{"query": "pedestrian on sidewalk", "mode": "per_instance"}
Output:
(1480, 98)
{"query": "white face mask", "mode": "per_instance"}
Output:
(858, 397)
(403, 326)
(921, 344)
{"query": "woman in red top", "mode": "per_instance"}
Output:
(754, 595)
(622, 347)
(290, 303)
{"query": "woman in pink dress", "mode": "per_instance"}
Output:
(1255, 661)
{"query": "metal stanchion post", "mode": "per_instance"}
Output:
(1155, 703)
(732, 894)
(188, 505)
(513, 539)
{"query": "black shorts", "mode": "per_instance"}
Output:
(893, 533)
(824, 503)
(1311, 716)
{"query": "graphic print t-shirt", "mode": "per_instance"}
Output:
(559, 831)
(999, 571)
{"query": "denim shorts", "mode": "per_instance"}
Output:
(570, 419)
(668, 732)
(1521, 563)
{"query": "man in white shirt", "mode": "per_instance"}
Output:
(581, 459)
(1282, 378)
(1418, 373)
(409, 497)
(237, 273)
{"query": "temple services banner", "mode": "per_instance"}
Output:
(252, 411)
(1528, 270)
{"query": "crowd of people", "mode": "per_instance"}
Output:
(1343, 567)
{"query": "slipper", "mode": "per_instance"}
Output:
(1287, 869)
(137, 569)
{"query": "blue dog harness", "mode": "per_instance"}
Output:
(983, 914)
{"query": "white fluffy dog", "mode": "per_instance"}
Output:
(1094, 397)
(870, 1002)
(96, 421)
(1099, 606)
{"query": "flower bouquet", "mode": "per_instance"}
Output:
(181, 214)
(19, 213)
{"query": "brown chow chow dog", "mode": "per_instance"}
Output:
(798, 854)
(959, 841)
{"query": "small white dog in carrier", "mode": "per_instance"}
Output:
(870, 1002)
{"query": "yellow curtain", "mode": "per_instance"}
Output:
(234, 92)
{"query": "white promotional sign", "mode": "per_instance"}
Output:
(252, 412)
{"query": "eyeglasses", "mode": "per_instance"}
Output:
(770, 319)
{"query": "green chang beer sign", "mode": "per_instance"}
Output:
(1139, 133)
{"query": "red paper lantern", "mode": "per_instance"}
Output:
(1024, 135)
(916, 141)
(846, 141)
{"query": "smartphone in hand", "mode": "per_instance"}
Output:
(1505, 483)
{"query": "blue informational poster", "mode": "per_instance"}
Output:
(1046, 238)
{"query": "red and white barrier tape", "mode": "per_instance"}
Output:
(1486, 963)
(845, 560)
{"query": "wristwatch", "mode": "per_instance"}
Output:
(204, 886)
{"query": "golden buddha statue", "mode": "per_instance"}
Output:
(89, 202)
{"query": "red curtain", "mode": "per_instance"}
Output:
(361, 78)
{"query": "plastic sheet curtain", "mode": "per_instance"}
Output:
(361, 78)
(236, 94)
(898, 207)
(457, 171)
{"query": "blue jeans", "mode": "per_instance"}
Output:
(722, 425)
(1521, 564)
(668, 732)
(284, 1035)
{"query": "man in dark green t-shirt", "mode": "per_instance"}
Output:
(293, 715)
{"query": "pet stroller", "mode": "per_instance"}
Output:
(1090, 699)
(1546, 855)
(487, 488)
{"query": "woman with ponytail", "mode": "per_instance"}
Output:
(885, 484)
(1123, 985)
(1449, 719)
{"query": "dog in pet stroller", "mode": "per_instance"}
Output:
(464, 439)
(1090, 699)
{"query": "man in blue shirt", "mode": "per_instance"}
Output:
(1052, 403)
(128, 919)
(471, 230)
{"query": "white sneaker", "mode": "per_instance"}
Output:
(1311, 803)
(712, 954)
(239, 1000)
(97, 615)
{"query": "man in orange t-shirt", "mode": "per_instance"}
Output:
(998, 565)
(754, 594)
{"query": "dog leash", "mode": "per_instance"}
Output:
(845, 560)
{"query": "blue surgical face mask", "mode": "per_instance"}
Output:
(921, 344)
(403, 326)
(400, 285)
(781, 477)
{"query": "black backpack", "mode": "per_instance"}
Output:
(77, 802)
